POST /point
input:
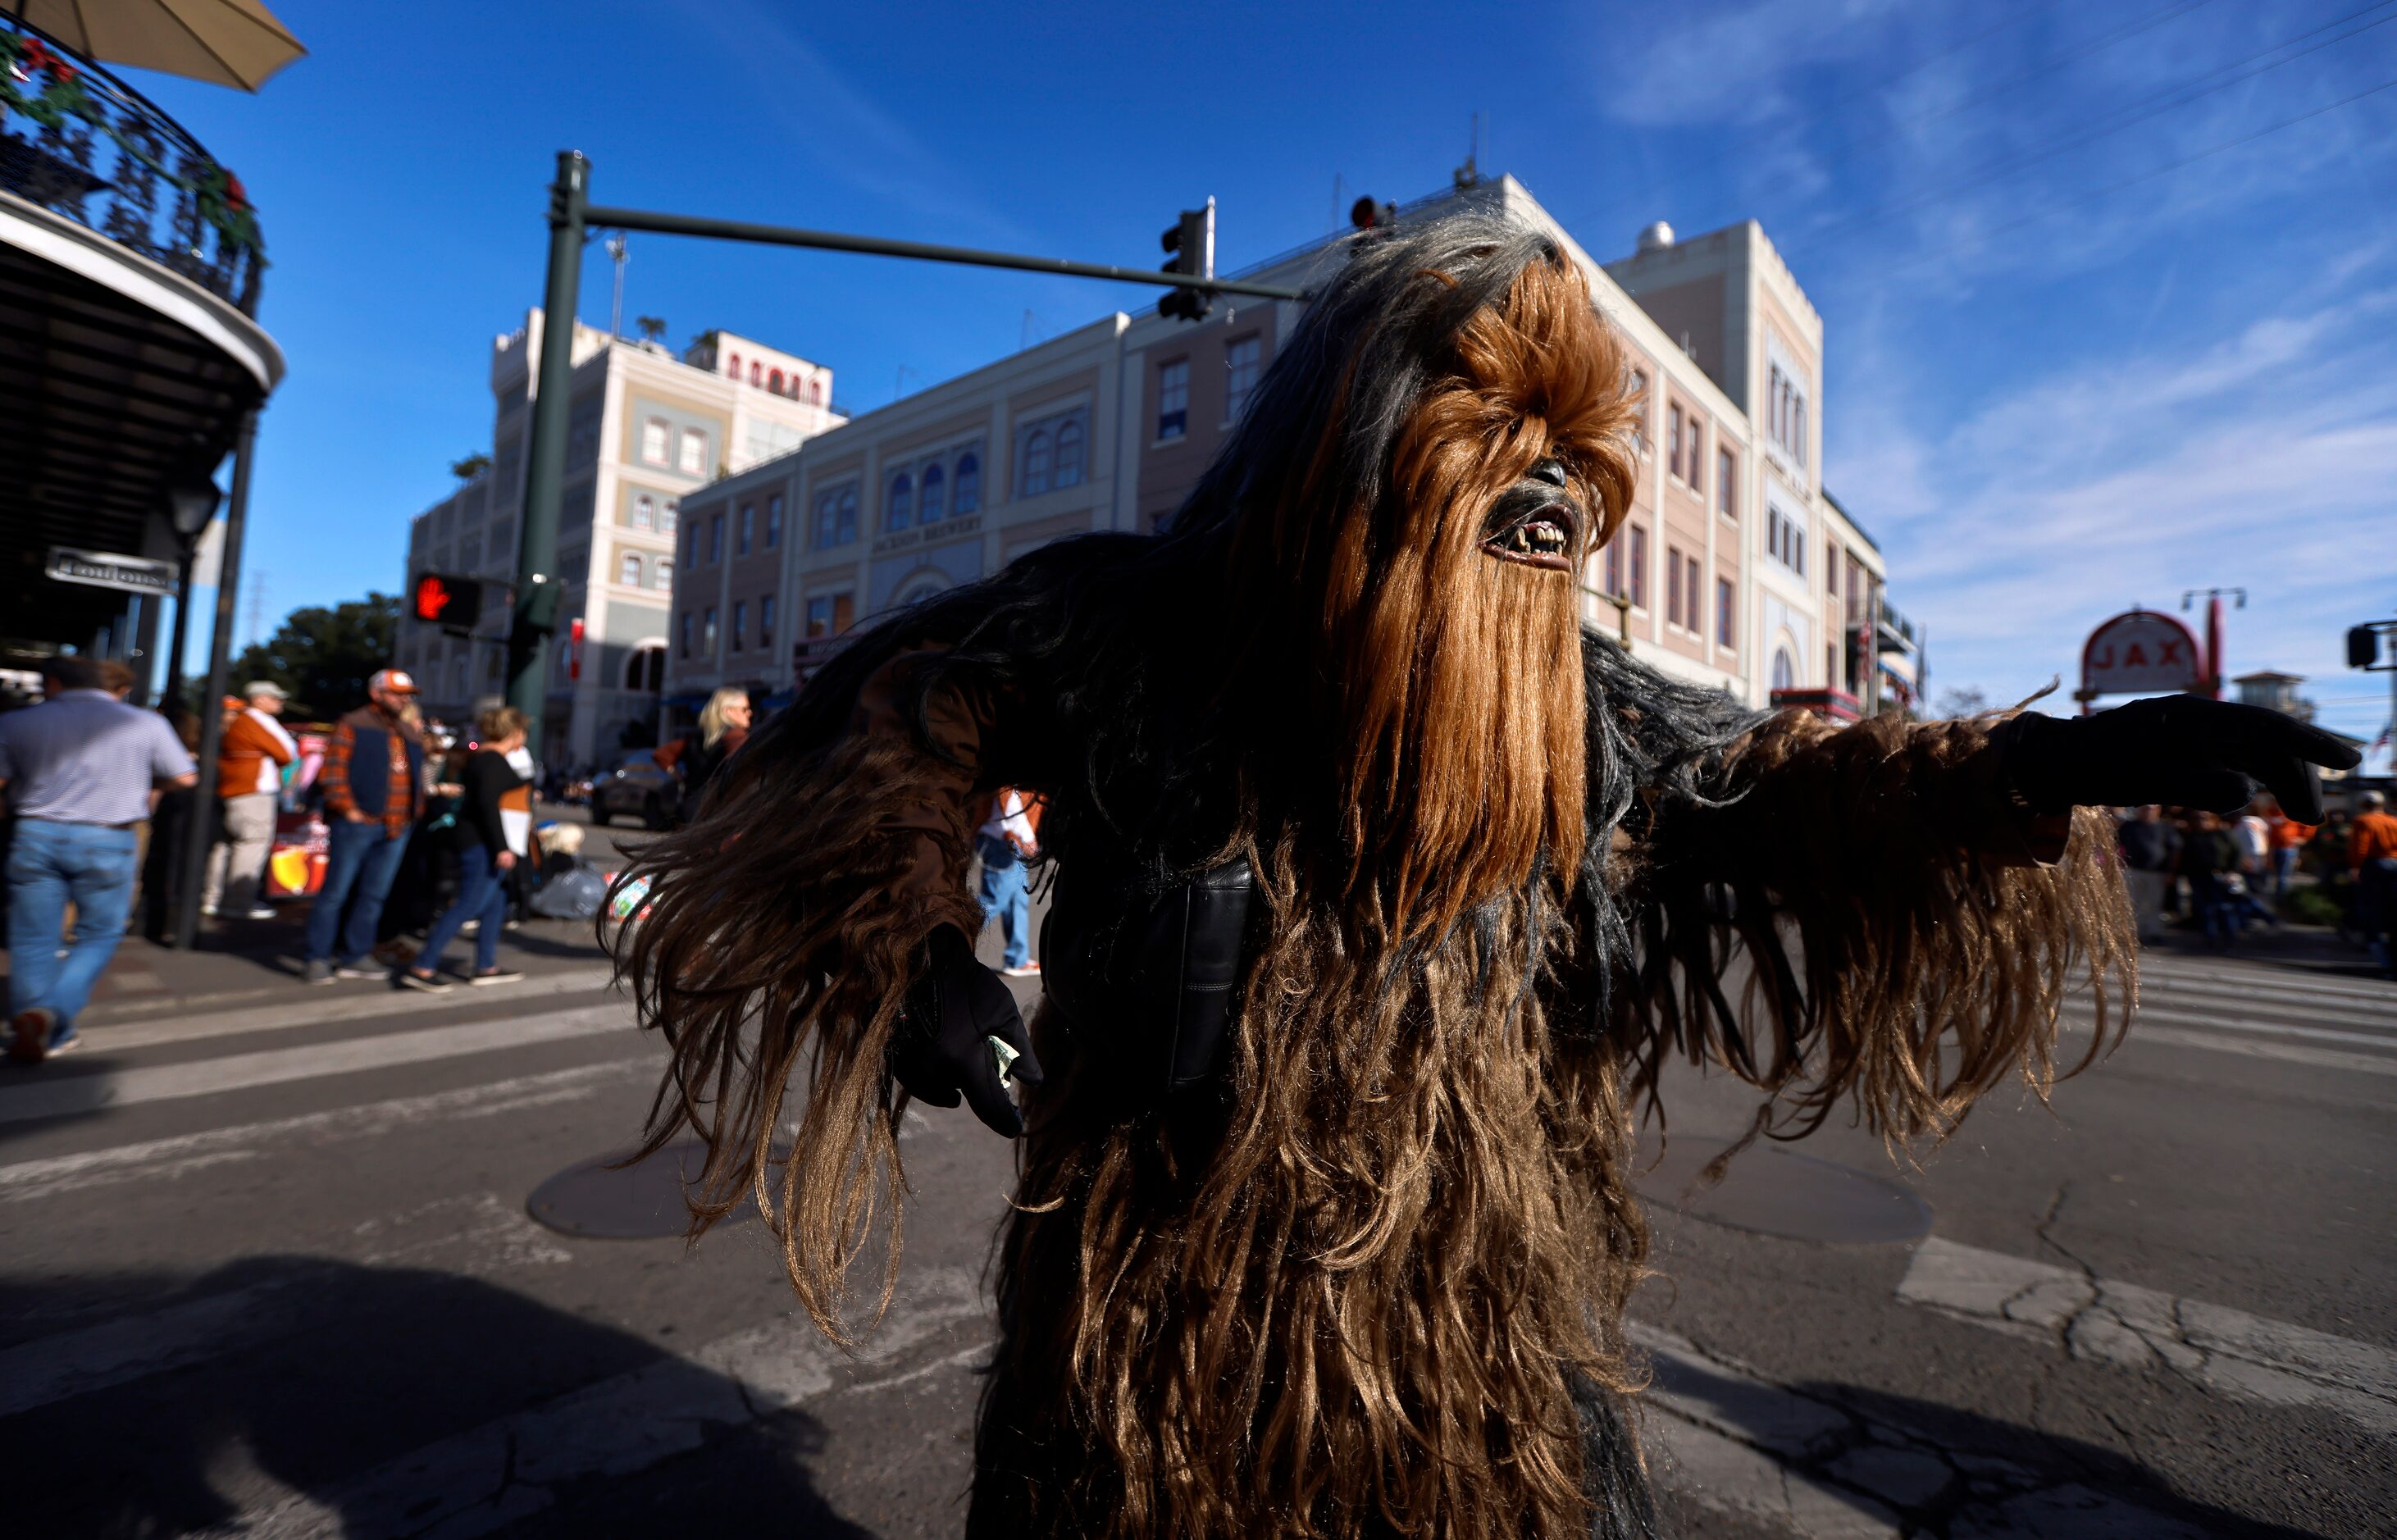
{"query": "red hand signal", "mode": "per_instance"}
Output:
(431, 597)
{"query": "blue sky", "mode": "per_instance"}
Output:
(2108, 314)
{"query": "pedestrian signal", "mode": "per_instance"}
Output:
(451, 603)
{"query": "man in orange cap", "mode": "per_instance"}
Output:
(373, 780)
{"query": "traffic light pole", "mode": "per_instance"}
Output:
(570, 216)
(537, 586)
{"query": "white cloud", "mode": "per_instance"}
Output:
(2255, 463)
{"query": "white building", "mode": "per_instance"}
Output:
(1733, 569)
(646, 430)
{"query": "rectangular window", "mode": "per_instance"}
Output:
(1690, 606)
(775, 521)
(1174, 401)
(694, 452)
(748, 527)
(663, 571)
(1240, 363)
(1673, 580)
(1614, 568)
(628, 570)
(707, 632)
(1638, 557)
(653, 441)
(1673, 439)
(818, 617)
(766, 621)
(1832, 574)
(1640, 408)
(1696, 475)
(686, 633)
(1726, 475)
(740, 622)
(714, 537)
(1726, 612)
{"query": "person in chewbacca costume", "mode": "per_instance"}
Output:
(1383, 892)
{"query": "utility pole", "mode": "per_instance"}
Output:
(537, 588)
(257, 606)
(616, 310)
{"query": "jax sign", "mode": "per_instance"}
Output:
(2141, 652)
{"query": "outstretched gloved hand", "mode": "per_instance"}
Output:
(962, 1036)
(2186, 750)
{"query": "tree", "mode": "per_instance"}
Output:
(324, 656)
(652, 327)
(471, 466)
(1962, 701)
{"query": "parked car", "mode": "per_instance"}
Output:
(635, 787)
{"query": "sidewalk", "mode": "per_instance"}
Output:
(239, 962)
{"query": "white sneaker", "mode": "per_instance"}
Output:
(262, 912)
(1029, 970)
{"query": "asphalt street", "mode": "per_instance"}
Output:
(273, 1271)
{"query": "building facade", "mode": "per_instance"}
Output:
(1734, 569)
(647, 429)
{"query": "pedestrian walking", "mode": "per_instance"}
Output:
(494, 818)
(1006, 839)
(723, 728)
(2150, 847)
(80, 769)
(373, 781)
(2287, 838)
(250, 784)
(2372, 856)
(2209, 857)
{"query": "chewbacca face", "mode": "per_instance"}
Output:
(1456, 622)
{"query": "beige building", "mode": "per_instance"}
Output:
(1734, 569)
(647, 429)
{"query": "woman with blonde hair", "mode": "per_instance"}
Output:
(723, 727)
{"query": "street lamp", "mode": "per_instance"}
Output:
(189, 509)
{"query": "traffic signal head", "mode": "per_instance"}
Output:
(2363, 646)
(1191, 243)
(451, 603)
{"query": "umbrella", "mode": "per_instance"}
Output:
(223, 42)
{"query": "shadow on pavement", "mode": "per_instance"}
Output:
(381, 1398)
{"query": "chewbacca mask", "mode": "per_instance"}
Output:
(1366, 1274)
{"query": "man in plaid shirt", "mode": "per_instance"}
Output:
(374, 789)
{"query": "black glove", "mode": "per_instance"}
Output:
(942, 1047)
(2185, 750)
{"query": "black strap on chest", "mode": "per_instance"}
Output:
(1158, 974)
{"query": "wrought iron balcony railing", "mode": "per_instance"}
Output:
(80, 142)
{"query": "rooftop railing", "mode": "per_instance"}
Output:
(84, 145)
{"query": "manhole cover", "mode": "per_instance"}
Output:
(1770, 1191)
(634, 1202)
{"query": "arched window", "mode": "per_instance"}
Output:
(628, 570)
(734, 368)
(919, 588)
(815, 393)
(756, 371)
(645, 668)
(1035, 464)
(845, 522)
(896, 507)
(968, 483)
(1785, 673)
(933, 491)
(1069, 453)
(774, 380)
(663, 568)
(645, 513)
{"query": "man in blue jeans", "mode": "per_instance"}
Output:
(80, 768)
(374, 789)
(1005, 842)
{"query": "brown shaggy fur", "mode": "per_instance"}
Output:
(1347, 1296)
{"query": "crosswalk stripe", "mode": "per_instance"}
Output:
(62, 1096)
(2226, 1352)
(168, 1160)
(2253, 1048)
(2271, 1029)
(2272, 1003)
(2335, 986)
(322, 1009)
(499, 1474)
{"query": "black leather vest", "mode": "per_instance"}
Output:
(1149, 980)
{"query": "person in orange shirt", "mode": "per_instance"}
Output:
(2372, 856)
(250, 774)
(2284, 838)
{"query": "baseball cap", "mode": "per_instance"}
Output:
(392, 679)
(264, 687)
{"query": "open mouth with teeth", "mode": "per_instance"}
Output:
(1534, 524)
